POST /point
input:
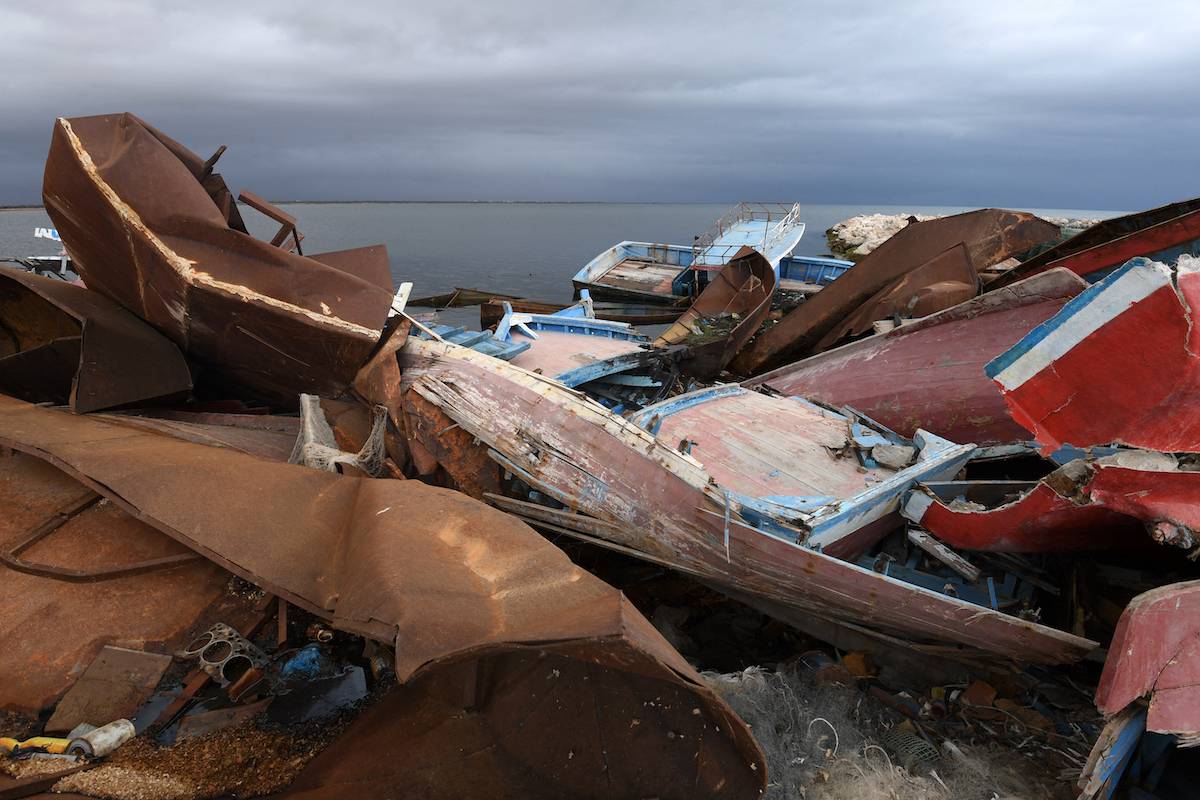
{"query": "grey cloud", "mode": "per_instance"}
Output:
(1066, 104)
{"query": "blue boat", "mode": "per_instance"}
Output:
(645, 272)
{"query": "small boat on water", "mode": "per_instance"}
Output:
(725, 315)
(645, 272)
(58, 266)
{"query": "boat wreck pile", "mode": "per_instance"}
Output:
(272, 532)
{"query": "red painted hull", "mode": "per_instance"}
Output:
(930, 374)
(1085, 378)
(1108, 507)
(1156, 651)
(1042, 521)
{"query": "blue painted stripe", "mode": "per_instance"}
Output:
(651, 417)
(1074, 306)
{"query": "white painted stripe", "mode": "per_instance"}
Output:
(1129, 289)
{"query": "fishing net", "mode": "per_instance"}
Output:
(317, 447)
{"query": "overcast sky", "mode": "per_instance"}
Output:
(1035, 104)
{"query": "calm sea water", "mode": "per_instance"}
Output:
(529, 249)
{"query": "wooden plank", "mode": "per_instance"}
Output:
(944, 554)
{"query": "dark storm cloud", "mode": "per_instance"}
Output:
(1085, 105)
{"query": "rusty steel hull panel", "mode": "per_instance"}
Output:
(640, 495)
(946, 280)
(69, 345)
(114, 686)
(1155, 652)
(1162, 233)
(990, 235)
(529, 732)
(930, 374)
(52, 630)
(743, 287)
(442, 578)
(1085, 377)
(132, 207)
(273, 444)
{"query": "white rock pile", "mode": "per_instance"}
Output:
(855, 237)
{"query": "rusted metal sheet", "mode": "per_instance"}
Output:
(662, 505)
(133, 208)
(443, 443)
(742, 288)
(447, 581)
(270, 437)
(113, 687)
(946, 280)
(65, 344)
(1155, 653)
(1084, 376)
(378, 381)
(930, 373)
(1162, 233)
(51, 629)
(990, 235)
(563, 719)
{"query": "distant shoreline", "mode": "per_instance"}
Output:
(28, 206)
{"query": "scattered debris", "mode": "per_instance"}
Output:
(315, 543)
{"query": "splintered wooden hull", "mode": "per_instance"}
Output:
(1117, 364)
(627, 489)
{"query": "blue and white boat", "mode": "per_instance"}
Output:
(59, 266)
(669, 273)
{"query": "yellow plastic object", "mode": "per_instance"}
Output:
(47, 743)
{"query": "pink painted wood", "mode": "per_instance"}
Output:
(663, 503)
(929, 374)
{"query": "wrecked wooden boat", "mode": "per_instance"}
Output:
(930, 373)
(643, 272)
(608, 360)
(1160, 234)
(760, 496)
(990, 236)
(807, 275)
(1051, 378)
(630, 313)
(136, 208)
(491, 307)
(58, 266)
(1148, 693)
(725, 315)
